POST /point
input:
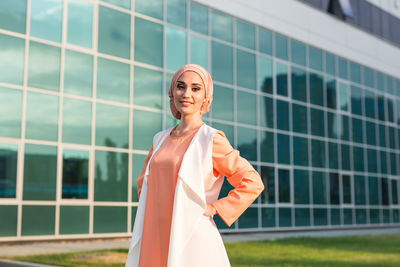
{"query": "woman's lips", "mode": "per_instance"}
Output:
(185, 103)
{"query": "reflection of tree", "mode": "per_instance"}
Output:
(248, 150)
(111, 162)
(267, 85)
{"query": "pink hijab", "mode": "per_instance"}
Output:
(205, 76)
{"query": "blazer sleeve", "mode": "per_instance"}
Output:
(139, 179)
(240, 174)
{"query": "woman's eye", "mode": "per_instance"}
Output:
(180, 86)
(195, 88)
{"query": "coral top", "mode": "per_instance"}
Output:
(161, 181)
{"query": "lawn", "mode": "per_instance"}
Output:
(377, 250)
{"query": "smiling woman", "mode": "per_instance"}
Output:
(181, 180)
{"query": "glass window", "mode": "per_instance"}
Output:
(299, 84)
(145, 126)
(298, 52)
(32, 224)
(361, 216)
(245, 34)
(283, 148)
(380, 82)
(44, 66)
(112, 80)
(121, 3)
(75, 174)
(282, 115)
(330, 83)
(111, 176)
(285, 217)
(369, 103)
(316, 89)
(176, 48)
(369, 77)
(80, 17)
(315, 58)
(199, 51)
(221, 26)
(317, 122)
(389, 85)
(109, 219)
(343, 96)
(345, 153)
(355, 72)
(74, 220)
(356, 98)
(281, 46)
(393, 163)
(394, 186)
(114, 32)
(153, 9)
(147, 87)
(344, 132)
(11, 109)
(222, 62)
(359, 190)
(284, 185)
(281, 79)
(40, 171)
(381, 107)
(77, 119)
(385, 212)
(346, 189)
(8, 170)
(268, 178)
(265, 74)
(334, 189)
(246, 69)
(347, 216)
(176, 12)
(320, 216)
(318, 153)
(374, 216)
(267, 217)
(41, 116)
(249, 218)
(222, 107)
(382, 135)
(334, 129)
(299, 118)
(301, 187)
(333, 155)
(358, 158)
(266, 112)
(342, 64)
(330, 64)
(46, 18)
(12, 51)
(372, 160)
(383, 162)
(390, 107)
(398, 111)
(247, 143)
(78, 73)
(246, 108)
(267, 146)
(302, 216)
(300, 151)
(335, 216)
(9, 220)
(137, 165)
(13, 15)
(371, 133)
(148, 42)
(319, 185)
(357, 130)
(265, 41)
(227, 129)
(112, 126)
(198, 18)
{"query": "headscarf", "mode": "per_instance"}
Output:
(208, 84)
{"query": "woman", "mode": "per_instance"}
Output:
(180, 182)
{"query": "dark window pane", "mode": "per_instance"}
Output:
(299, 84)
(358, 158)
(355, 72)
(301, 187)
(316, 89)
(385, 191)
(32, 224)
(334, 188)
(320, 216)
(330, 92)
(285, 217)
(302, 216)
(109, 219)
(373, 190)
(319, 183)
(284, 185)
(249, 218)
(247, 143)
(268, 217)
(9, 220)
(268, 178)
(74, 220)
(356, 100)
(281, 79)
(75, 174)
(359, 190)
(300, 151)
(318, 153)
(8, 171)
(357, 130)
(317, 122)
(372, 160)
(266, 111)
(267, 146)
(346, 188)
(369, 103)
(345, 153)
(299, 118)
(283, 149)
(343, 73)
(282, 115)
(371, 133)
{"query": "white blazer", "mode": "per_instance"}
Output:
(194, 238)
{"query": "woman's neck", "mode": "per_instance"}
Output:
(188, 123)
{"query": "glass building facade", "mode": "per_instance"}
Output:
(83, 89)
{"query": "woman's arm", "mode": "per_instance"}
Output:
(139, 180)
(240, 174)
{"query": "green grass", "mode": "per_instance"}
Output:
(352, 251)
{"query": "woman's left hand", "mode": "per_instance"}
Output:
(210, 211)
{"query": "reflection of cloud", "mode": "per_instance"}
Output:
(44, 10)
(12, 58)
(44, 62)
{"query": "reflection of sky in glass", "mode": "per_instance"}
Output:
(298, 52)
(198, 18)
(147, 87)
(199, 51)
(152, 8)
(121, 3)
(76, 121)
(46, 19)
(315, 58)
(13, 15)
(222, 62)
(148, 42)
(44, 66)
(12, 51)
(114, 32)
(221, 26)
(145, 126)
(246, 108)
(265, 41)
(11, 109)
(246, 140)
(80, 16)
(112, 80)
(41, 116)
(281, 46)
(78, 73)
(266, 112)
(265, 74)
(112, 126)
(176, 48)
(245, 34)
(176, 12)
(246, 69)
(222, 107)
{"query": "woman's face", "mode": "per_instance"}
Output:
(189, 93)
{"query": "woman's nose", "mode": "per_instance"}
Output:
(186, 92)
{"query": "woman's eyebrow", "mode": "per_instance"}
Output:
(192, 83)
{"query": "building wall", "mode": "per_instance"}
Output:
(311, 102)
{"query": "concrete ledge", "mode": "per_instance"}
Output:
(7, 263)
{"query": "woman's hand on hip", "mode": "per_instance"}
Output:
(210, 211)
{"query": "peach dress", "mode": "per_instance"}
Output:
(162, 179)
